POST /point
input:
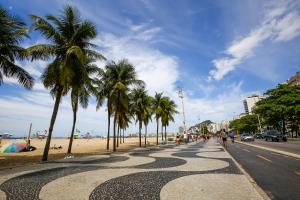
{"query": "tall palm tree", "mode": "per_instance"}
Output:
(82, 87)
(12, 32)
(70, 42)
(148, 112)
(168, 111)
(104, 87)
(157, 109)
(139, 99)
(122, 77)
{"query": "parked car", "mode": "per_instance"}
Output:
(247, 137)
(264, 135)
(259, 136)
(275, 136)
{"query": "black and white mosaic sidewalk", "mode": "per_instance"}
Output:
(196, 171)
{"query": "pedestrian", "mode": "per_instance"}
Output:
(185, 137)
(231, 135)
(224, 138)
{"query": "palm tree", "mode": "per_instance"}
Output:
(104, 87)
(12, 32)
(81, 88)
(168, 111)
(69, 45)
(157, 109)
(139, 102)
(148, 112)
(122, 76)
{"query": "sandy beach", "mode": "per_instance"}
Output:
(80, 147)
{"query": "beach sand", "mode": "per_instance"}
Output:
(80, 147)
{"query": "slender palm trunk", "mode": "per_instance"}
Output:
(118, 134)
(53, 118)
(73, 126)
(114, 136)
(145, 135)
(115, 121)
(166, 134)
(157, 126)
(123, 135)
(162, 132)
(140, 133)
(108, 124)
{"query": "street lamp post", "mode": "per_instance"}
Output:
(180, 94)
(258, 119)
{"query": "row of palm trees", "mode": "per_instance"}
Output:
(72, 70)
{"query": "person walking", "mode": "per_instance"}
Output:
(231, 135)
(224, 138)
(185, 137)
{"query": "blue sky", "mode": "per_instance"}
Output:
(218, 51)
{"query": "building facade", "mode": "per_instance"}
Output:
(250, 102)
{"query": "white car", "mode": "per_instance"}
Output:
(247, 137)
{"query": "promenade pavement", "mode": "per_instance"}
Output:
(199, 170)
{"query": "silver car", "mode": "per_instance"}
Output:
(246, 137)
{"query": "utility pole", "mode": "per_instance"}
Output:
(180, 94)
(28, 138)
(258, 118)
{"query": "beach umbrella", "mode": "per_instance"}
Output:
(14, 147)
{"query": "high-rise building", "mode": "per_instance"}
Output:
(294, 80)
(249, 103)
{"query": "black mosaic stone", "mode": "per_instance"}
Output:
(95, 161)
(162, 162)
(28, 186)
(143, 185)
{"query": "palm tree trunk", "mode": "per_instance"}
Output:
(145, 135)
(115, 121)
(73, 126)
(118, 134)
(123, 135)
(140, 133)
(108, 125)
(157, 126)
(166, 134)
(53, 118)
(162, 132)
(114, 136)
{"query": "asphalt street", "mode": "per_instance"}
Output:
(289, 146)
(278, 175)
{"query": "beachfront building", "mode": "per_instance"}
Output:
(213, 127)
(294, 80)
(250, 102)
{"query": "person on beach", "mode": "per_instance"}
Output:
(224, 138)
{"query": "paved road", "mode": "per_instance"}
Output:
(278, 175)
(290, 146)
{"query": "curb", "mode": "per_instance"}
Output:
(273, 150)
(259, 190)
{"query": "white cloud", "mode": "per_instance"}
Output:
(281, 23)
(159, 70)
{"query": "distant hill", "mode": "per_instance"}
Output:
(204, 123)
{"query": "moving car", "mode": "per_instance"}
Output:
(247, 137)
(275, 136)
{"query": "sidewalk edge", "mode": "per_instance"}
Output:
(273, 150)
(259, 190)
